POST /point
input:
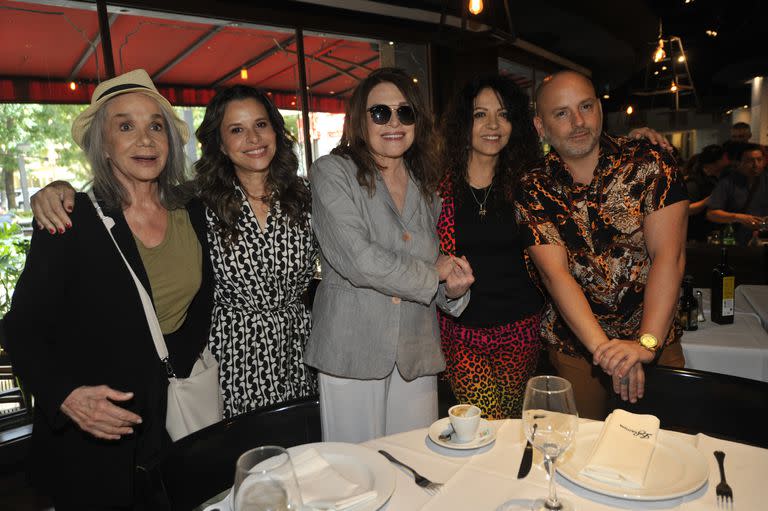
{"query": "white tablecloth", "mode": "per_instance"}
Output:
(756, 298)
(485, 479)
(739, 349)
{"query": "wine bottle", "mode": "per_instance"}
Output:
(723, 289)
(689, 307)
(688, 310)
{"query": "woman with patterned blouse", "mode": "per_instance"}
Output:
(262, 248)
(261, 244)
(493, 347)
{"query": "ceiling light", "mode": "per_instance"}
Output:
(663, 68)
(475, 6)
(630, 110)
(659, 54)
(745, 106)
(606, 96)
(391, 43)
(415, 80)
(681, 58)
(72, 86)
(711, 33)
(673, 87)
(655, 73)
(729, 112)
(244, 74)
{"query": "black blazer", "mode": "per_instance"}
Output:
(77, 319)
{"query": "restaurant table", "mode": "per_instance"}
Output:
(738, 349)
(485, 478)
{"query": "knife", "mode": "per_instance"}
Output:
(525, 463)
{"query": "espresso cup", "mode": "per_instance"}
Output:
(465, 420)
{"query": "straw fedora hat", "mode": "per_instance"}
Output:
(133, 81)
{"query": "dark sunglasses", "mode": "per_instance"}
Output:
(381, 114)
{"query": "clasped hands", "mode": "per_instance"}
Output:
(456, 273)
(623, 360)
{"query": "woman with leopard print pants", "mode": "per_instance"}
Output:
(493, 347)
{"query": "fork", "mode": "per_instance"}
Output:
(430, 487)
(723, 489)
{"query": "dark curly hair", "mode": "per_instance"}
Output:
(215, 177)
(421, 158)
(522, 149)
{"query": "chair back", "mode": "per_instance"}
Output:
(694, 401)
(202, 465)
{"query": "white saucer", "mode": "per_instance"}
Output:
(485, 435)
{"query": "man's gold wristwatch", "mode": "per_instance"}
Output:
(649, 342)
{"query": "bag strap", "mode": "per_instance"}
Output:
(146, 301)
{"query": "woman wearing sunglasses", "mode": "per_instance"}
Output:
(375, 337)
(492, 348)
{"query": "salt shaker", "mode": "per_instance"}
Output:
(700, 299)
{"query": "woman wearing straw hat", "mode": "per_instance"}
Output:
(89, 358)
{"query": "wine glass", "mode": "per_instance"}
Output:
(550, 422)
(265, 481)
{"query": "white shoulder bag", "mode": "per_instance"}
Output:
(194, 402)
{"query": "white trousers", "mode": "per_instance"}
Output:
(359, 410)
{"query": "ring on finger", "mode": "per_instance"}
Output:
(624, 380)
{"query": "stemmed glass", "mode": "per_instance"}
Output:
(265, 481)
(550, 421)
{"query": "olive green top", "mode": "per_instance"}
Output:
(174, 268)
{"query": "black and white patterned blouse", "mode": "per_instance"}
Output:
(260, 324)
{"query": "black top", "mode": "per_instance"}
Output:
(502, 292)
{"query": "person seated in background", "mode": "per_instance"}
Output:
(689, 167)
(741, 196)
(708, 167)
(741, 132)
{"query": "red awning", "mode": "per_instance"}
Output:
(46, 47)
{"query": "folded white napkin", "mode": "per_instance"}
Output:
(321, 486)
(623, 450)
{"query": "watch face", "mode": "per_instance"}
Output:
(649, 341)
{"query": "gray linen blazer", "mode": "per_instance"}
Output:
(375, 306)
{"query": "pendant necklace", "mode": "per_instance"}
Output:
(482, 211)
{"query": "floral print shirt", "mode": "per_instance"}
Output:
(601, 226)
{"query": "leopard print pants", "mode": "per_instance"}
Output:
(489, 367)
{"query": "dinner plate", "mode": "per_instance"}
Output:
(485, 435)
(676, 468)
(361, 465)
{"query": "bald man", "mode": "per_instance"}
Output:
(604, 220)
